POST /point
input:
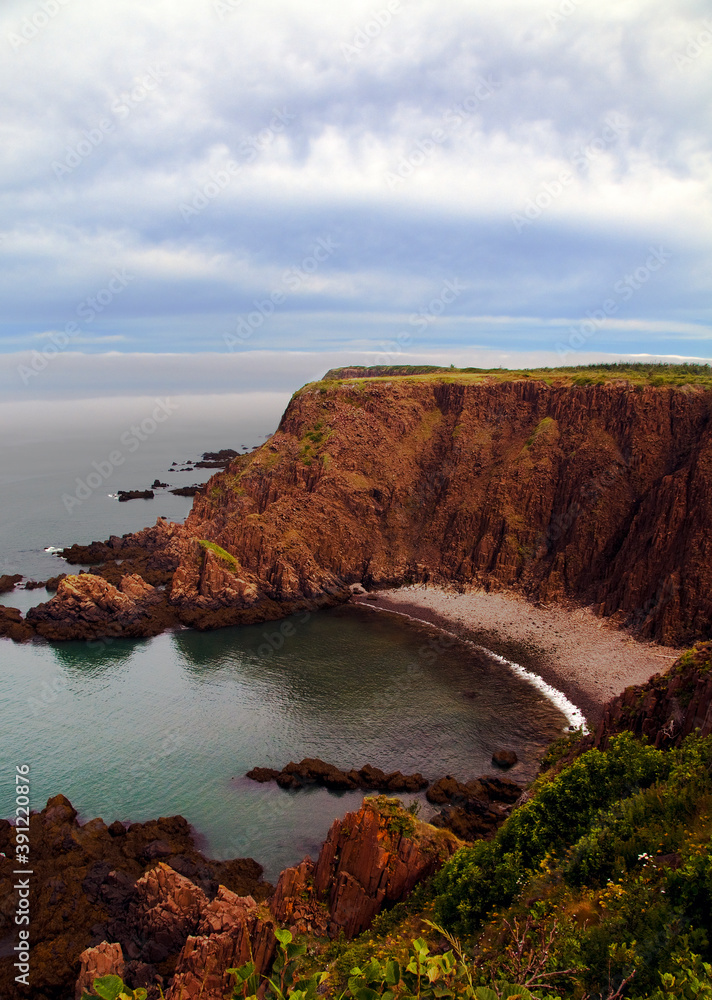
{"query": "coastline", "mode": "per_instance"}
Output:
(589, 659)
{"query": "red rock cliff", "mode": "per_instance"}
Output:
(601, 493)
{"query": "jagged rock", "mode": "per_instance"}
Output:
(504, 758)
(103, 960)
(668, 707)
(88, 606)
(166, 909)
(475, 808)
(231, 932)
(85, 884)
(373, 858)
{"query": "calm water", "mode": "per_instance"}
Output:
(136, 729)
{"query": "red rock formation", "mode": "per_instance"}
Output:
(370, 860)
(84, 887)
(103, 960)
(668, 707)
(231, 932)
(602, 493)
(166, 909)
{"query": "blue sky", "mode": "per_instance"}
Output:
(369, 181)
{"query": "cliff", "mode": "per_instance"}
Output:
(669, 707)
(597, 492)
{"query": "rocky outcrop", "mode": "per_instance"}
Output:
(86, 890)
(601, 493)
(88, 606)
(668, 707)
(8, 582)
(370, 860)
(103, 960)
(126, 495)
(231, 932)
(313, 771)
(166, 908)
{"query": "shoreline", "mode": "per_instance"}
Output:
(587, 658)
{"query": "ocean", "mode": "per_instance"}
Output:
(134, 729)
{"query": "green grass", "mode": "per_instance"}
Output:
(636, 373)
(220, 553)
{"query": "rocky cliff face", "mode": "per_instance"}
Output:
(601, 493)
(669, 707)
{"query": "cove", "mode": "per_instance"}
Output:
(136, 729)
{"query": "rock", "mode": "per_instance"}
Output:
(262, 774)
(313, 771)
(9, 582)
(158, 485)
(126, 495)
(475, 810)
(103, 960)
(500, 789)
(186, 491)
(87, 607)
(166, 909)
(85, 885)
(504, 758)
(357, 589)
(231, 932)
(372, 859)
(13, 625)
(668, 707)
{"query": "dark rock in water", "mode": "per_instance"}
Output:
(216, 459)
(13, 626)
(158, 485)
(313, 771)
(186, 491)
(8, 583)
(504, 758)
(501, 789)
(126, 495)
(263, 774)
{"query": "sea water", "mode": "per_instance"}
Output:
(135, 729)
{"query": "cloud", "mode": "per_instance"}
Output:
(430, 142)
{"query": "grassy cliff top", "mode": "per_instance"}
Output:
(635, 373)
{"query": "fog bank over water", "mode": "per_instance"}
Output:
(72, 376)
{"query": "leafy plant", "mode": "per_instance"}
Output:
(113, 988)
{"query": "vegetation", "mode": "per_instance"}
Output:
(637, 373)
(220, 553)
(599, 887)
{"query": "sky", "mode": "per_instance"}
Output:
(204, 194)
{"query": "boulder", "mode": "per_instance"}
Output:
(504, 758)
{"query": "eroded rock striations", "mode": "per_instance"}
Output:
(602, 493)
